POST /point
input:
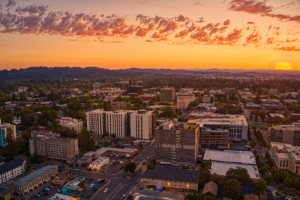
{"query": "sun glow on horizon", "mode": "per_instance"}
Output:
(283, 66)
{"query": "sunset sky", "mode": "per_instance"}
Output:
(185, 34)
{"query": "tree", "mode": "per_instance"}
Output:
(29, 166)
(268, 178)
(257, 157)
(286, 114)
(208, 163)
(257, 99)
(232, 189)
(260, 186)
(130, 167)
(287, 182)
(205, 175)
(11, 148)
(201, 184)
(118, 146)
(296, 183)
(193, 196)
(280, 187)
(240, 174)
(262, 170)
(255, 152)
(252, 144)
(153, 160)
(84, 140)
(150, 166)
(80, 115)
(276, 177)
(203, 164)
(82, 183)
(260, 164)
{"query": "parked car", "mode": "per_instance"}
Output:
(37, 195)
(106, 190)
(77, 169)
(46, 193)
(51, 186)
(91, 179)
(135, 183)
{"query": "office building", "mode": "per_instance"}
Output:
(183, 103)
(35, 179)
(269, 103)
(51, 146)
(171, 179)
(185, 95)
(177, 142)
(222, 161)
(286, 157)
(97, 86)
(4, 131)
(228, 129)
(142, 124)
(167, 94)
(99, 163)
(289, 134)
(12, 169)
(73, 124)
(136, 89)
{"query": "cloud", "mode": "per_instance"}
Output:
(270, 41)
(270, 27)
(227, 22)
(181, 18)
(11, 3)
(198, 4)
(293, 40)
(33, 9)
(250, 6)
(142, 32)
(254, 38)
(201, 20)
(260, 7)
(186, 31)
(149, 41)
(250, 22)
(293, 48)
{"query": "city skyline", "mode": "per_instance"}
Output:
(230, 34)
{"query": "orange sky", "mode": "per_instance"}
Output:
(250, 34)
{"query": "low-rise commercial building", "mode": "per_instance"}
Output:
(63, 177)
(294, 117)
(12, 169)
(222, 161)
(73, 188)
(216, 131)
(286, 156)
(99, 163)
(167, 94)
(59, 196)
(73, 124)
(171, 179)
(34, 180)
(289, 134)
(136, 89)
(48, 145)
(276, 116)
(6, 193)
(108, 151)
(177, 142)
(4, 128)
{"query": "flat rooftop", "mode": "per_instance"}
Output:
(221, 168)
(146, 197)
(230, 156)
(226, 120)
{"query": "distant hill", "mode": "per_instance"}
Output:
(95, 72)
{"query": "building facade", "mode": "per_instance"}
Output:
(22, 89)
(167, 94)
(286, 157)
(3, 132)
(97, 86)
(51, 146)
(289, 134)
(73, 124)
(177, 143)
(34, 180)
(12, 169)
(216, 131)
(185, 95)
(136, 89)
(183, 103)
(171, 179)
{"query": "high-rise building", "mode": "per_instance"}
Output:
(22, 89)
(73, 124)
(3, 132)
(136, 89)
(167, 94)
(289, 134)
(139, 124)
(142, 124)
(48, 145)
(185, 95)
(177, 142)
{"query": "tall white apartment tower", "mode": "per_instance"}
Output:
(141, 125)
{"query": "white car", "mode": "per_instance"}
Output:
(106, 190)
(76, 169)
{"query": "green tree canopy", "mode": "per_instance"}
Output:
(240, 174)
(260, 186)
(232, 189)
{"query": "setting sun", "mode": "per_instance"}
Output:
(283, 66)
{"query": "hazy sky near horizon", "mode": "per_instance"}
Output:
(114, 34)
